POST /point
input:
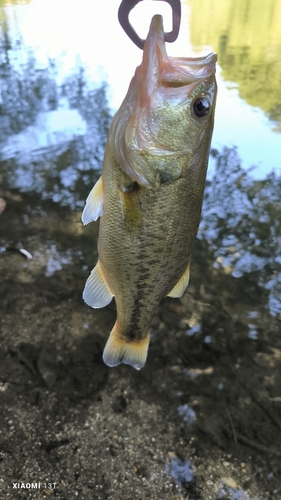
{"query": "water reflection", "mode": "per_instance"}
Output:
(52, 136)
(247, 36)
(53, 133)
(241, 224)
(53, 259)
(52, 142)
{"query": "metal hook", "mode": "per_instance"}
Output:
(123, 16)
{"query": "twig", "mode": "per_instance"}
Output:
(254, 445)
(231, 423)
(259, 402)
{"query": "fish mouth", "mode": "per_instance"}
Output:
(158, 68)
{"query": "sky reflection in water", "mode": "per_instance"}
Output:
(55, 113)
(96, 42)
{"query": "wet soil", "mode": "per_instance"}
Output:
(202, 419)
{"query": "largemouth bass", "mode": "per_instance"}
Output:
(149, 196)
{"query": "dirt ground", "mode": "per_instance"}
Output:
(201, 421)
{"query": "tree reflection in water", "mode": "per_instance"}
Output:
(52, 136)
(241, 223)
(52, 139)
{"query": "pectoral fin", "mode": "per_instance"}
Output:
(97, 292)
(130, 206)
(117, 351)
(94, 203)
(181, 285)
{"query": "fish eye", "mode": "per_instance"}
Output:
(201, 106)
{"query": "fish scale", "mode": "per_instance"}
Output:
(159, 239)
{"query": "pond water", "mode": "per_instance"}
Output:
(58, 94)
(205, 411)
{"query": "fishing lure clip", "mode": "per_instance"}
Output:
(123, 16)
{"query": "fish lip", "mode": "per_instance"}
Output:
(196, 68)
(212, 57)
(157, 28)
(158, 67)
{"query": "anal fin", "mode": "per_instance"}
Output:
(181, 285)
(94, 203)
(117, 350)
(97, 292)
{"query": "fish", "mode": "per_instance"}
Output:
(149, 196)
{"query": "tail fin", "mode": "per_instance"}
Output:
(119, 351)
